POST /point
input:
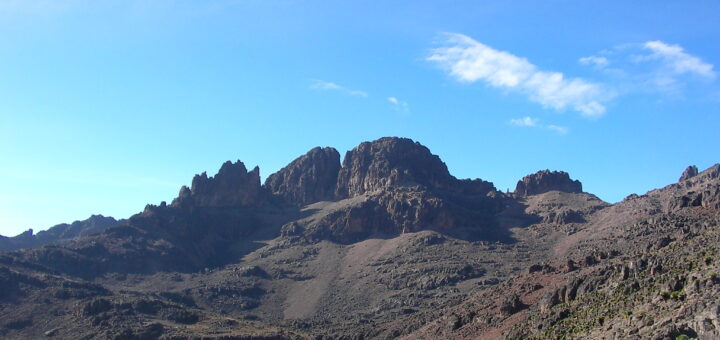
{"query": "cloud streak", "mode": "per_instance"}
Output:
(650, 67)
(559, 129)
(524, 121)
(322, 85)
(530, 122)
(597, 61)
(676, 60)
(470, 61)
(399, 105)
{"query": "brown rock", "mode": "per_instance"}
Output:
(546, 180)
(232, 186)
(689, 172)
(389, 162)
(309, 178)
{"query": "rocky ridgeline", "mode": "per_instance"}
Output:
(690, 172)
(59, 233)
(696, 189)
(546, 180)
(233, 185)
(379, 165)
(385, 187)
(388, 186)
(233, 259)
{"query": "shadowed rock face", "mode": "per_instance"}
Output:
(389, 162)
(546, 180)
(232, 186)
(689, 172)
(394, 185)
(309, 178)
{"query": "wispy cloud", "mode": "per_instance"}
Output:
(531, 122)
(524, 121)
(559, 129)
(676, 60)
(470, 61)
(651, 67)
(597, 61)
(330, 86)
(399, 105)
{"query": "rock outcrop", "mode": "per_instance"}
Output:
(233, 186)
(689, 172)
(701, 191)
(395, 185)
(309, 178)
(390, 162)
(546, 180)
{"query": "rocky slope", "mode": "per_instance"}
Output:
(645, 274)
(387, 244)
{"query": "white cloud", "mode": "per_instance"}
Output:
(599, 62)
(524, 121)
(676, 60)
(652, 67)
(531, 122)
(399, 105)
(330, 86)
(469, 61)
(559, 129)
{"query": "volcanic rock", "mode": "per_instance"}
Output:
(392, 186)
(232, 186)
(309, 178)
(389, 162)
(546, 180)
(689, 172)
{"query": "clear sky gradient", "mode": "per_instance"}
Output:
(106, 106)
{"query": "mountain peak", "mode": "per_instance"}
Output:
(546, 180)
(387, 162)
(307, 179)
(690, 172)
(233, 185)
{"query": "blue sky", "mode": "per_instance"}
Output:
(108, 105)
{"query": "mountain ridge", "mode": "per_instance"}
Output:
(385, 245)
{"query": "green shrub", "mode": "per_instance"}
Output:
(677, 295)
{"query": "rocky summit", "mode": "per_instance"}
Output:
(308, 179)
(385, 244)
(546, 180)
